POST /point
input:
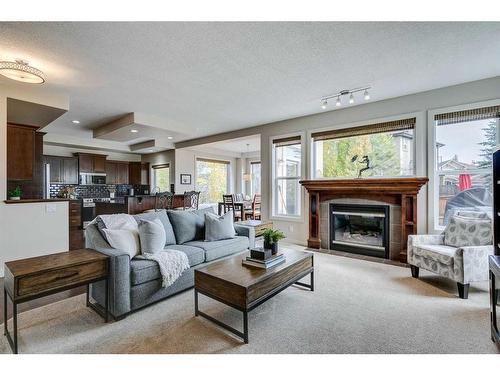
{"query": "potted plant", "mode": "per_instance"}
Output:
(272, 238)
(15, 194)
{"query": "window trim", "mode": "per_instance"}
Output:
(433, 185)
(303, 160)
(418, 146)
(226, 162)
(250, 163)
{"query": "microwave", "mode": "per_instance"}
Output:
(92, 178)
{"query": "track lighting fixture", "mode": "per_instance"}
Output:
(338, 96)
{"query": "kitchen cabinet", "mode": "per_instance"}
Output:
(20, 152)
(63, 170)
(117, 172)
(91, 163)
(138, 173)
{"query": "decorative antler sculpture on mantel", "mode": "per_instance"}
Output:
(365, 160)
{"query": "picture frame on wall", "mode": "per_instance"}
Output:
(185, 179)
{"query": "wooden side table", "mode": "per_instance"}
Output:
(32, 278)
(256, 229)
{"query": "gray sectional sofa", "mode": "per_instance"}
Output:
(135, 283)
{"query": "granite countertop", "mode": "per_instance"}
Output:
(37, 200)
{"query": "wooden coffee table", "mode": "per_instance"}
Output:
(244, 288)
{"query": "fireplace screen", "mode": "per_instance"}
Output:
(361, 229)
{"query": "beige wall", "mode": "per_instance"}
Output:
(28, 229)
(416, 104)
(69, 151)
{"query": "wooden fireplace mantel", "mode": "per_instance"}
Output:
(400, 191)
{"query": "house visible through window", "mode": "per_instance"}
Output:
(389, 147)
(287, 171)
(212, 179)
(161, 176)
(464, 144)
(255, 173)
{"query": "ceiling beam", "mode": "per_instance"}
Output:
(110, 127)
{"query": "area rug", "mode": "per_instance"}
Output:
(358, 307)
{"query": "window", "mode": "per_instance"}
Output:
(464, 144)
(389, 147)
(255, 173)
(212, 179)
(161, 176)
(287, 171)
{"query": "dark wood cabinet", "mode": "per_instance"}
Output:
(91, 163)
(117, 172)
(76, 238)
(138, 173)
(20, 152)
(63, 170)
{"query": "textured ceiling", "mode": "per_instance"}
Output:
(206, 78)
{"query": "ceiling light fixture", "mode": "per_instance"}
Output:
(338, 96)
(75, 121)
(170, 137)
(134, 131)
(20, 70)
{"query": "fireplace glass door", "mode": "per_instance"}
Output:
(361, 229)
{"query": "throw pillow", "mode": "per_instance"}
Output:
(465, 231)
(152, 236)
(124, 239)
(188, 225)
(163, 217)
(219, 227)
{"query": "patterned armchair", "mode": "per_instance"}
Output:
(463, 264)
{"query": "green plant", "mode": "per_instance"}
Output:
(16, 192)
(272, 236)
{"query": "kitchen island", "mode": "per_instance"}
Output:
(133, 204)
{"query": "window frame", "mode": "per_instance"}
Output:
(161, 166)
(272, 197)
(432, 172)
(228, 164)
(416, 142)
(252, 162)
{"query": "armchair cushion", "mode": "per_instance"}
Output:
(439, 253)
(467, 231)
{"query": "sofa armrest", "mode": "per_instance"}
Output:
(119, 274)
(242, 230)
(471, 263)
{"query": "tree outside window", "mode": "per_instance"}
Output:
(162, 177)
(212, 179)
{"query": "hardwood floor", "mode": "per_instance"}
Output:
(38, 302)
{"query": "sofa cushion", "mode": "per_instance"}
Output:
(144, 270)
(152, 236)
(219, 227)
(468, 231)
(218, 249)
(438, 253)
(188, 225)
(163, 217)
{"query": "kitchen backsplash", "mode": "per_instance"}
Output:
(98, 191)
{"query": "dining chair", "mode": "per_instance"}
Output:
(228, 203)
(164, 201)
(254, 212)
(191, 200)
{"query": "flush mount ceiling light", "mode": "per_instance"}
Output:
(134, 131)
(170, 137)
(338, 96)
(20, 70)
(75, 121)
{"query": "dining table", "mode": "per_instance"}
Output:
(241, 205)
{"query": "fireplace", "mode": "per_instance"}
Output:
(360, 229)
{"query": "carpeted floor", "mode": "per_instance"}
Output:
(358, 307)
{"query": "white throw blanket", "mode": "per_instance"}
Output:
(172, 264)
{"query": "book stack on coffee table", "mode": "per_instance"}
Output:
(262, 258)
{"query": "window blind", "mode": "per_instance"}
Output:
(468, 115)
(383, 127)
(288, 141)
(213, 161)
(159, 166)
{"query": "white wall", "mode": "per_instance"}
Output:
(27, 229)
